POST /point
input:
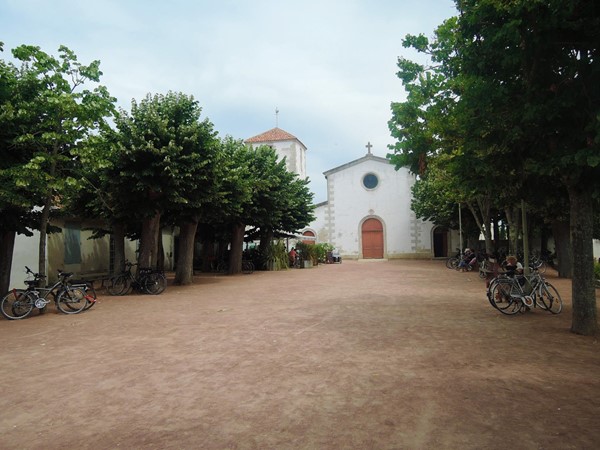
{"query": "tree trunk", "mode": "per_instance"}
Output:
(185, 253)
(562, 246)
(237, 247)
(148, 241)
(514, 226)
(483, 222)
(584, 290)
(44, 220)
(119, 243)
(7, 246)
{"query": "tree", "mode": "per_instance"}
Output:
(550, 54)
(55, 116)
(162, 147)
(260, 193)
(14, 198)
(524, 80)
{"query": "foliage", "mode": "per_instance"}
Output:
(276, 256)
(321, 251)
(308, 252)
(513, 99)
(48, 116)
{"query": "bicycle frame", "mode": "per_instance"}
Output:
(18, 303)
(535, 292)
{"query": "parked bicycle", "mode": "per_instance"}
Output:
(223, 266)
(511, 295)
(19, 303)
(453, 261)
(90, 292)
(147, 280)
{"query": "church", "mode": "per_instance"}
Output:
(367, 213)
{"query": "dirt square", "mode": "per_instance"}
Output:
(359, 355)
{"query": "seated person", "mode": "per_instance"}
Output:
(514, 267)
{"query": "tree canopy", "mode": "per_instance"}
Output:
(512, 99)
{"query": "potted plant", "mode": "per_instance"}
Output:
(307, 253)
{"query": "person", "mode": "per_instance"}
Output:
(292, 256)
(467, 260)
(513, 267)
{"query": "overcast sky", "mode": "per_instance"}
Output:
(328, 66)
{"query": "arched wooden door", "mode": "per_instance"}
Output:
(310, 238)
(372, 239)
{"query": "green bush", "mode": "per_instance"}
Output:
(307, 252)
(597, 270)
(276, 257)
(321, 251)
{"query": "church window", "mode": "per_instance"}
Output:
(370, 181)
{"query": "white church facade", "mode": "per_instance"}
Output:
(367, 214)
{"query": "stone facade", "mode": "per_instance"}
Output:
(371, 188)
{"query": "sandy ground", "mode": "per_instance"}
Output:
(359, 355)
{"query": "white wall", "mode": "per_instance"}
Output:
(350, 203)
(26, 253)
(295, 154)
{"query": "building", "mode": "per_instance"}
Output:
(367, 214)
(287, 146)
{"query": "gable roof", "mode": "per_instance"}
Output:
(273, 135)
(368, 157)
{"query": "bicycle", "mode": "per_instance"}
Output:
(223, 267)
(247, 267)
(508, 296)
(454, 261)
(148, 281)
(88, 287)
(19, 303)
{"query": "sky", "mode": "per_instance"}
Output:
(328, 66)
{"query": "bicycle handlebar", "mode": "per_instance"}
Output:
(35, 275)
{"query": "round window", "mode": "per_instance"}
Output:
(370, 181)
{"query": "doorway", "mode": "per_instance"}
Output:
(372, 239)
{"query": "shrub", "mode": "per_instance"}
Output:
(307, 252)
(276, 257)
(321, 251)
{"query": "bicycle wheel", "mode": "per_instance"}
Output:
(17, 304)
(153, 283)
(541, 267)
(119, 285)
(502, 300)
(90, 295)
(452, 262)
(549, 299)
(490, 288)
(247, 267)
(71, 301)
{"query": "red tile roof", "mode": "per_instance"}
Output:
(276, 134)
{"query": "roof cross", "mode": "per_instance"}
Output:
(369, 146)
